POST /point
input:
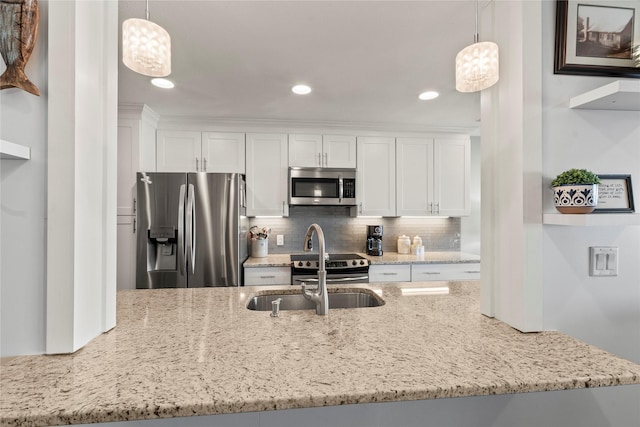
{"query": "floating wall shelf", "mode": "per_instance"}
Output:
(619, 95)
(604, 219)
(13, 151)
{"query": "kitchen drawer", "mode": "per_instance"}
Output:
(260, 276)
(458, 271)
(390, 273)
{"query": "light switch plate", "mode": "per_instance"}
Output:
(603, 261)
(280, 240)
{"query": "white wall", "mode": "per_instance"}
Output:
(604, 311)
(23, 120)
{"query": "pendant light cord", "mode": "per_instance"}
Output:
(147, 12)
(476, 36)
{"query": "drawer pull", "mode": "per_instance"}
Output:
(389, 274)
(430, 272)
(267, 277)
(472, 271)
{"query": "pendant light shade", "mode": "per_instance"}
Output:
(146, 47)
(477, 65)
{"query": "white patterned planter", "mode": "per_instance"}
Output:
(576, 199)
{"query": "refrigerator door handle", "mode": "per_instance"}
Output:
(191, 228)
(181, 247)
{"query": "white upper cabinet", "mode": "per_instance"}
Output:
(376, 177)
(452, 175)
(267, 174)
(305, 150)
(192, 151)
(328, 151)
(178, 151)
(339, 151)
(223, 152)
(414, 158)
(433, 176)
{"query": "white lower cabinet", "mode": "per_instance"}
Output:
(126, 257)
(389, 273)
(433, 272)
(261, 276)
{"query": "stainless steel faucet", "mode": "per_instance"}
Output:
(320, 296)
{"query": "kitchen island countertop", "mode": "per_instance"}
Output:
(199, 351)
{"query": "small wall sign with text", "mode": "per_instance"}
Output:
(615, 194)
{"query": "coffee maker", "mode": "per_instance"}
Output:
(374, 240)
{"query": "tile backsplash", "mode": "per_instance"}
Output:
(344, 233)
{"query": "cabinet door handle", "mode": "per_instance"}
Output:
(472, 271)
(134, 205)
(267, 277)
(437, 207)
(389, 274)
(360, 207)
(197, 164)
(284, 207)
(134, 226)
(204, 164)
(430, 272)
(320, 159)
(326, 159)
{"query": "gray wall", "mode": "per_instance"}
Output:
(604, 311)
(23, 120)
(347, 234)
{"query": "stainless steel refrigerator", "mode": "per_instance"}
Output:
(192, 230)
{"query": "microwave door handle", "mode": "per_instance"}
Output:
(340, 188)
(181, 245)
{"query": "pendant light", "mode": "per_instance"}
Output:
(477, 65)
(146, 47)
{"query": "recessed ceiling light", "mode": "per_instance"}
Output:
(301, 89)
(430, 94)
(163, 83)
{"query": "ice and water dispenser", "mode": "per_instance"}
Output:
(162, 248)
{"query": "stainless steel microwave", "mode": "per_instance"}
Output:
(322, 186)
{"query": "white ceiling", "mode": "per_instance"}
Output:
(367, 61)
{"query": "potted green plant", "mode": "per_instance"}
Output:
(575, 191)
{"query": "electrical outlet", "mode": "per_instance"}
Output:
(603, 261)
(280, 240)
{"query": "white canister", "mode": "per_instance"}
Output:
(404, 244)
(417, 242)
(259, 248)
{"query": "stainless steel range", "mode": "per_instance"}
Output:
(341, 268)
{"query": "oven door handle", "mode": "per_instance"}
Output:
(342, 279)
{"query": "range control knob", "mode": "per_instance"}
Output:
(317, 264)
(300, 264)
(353, 262)
(308, 263)
(362, 262)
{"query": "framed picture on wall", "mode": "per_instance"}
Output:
(615, 194)
(597, 38)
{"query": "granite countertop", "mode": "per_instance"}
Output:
(199, 351)
(443, 257)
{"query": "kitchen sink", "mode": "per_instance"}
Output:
(350, 299)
